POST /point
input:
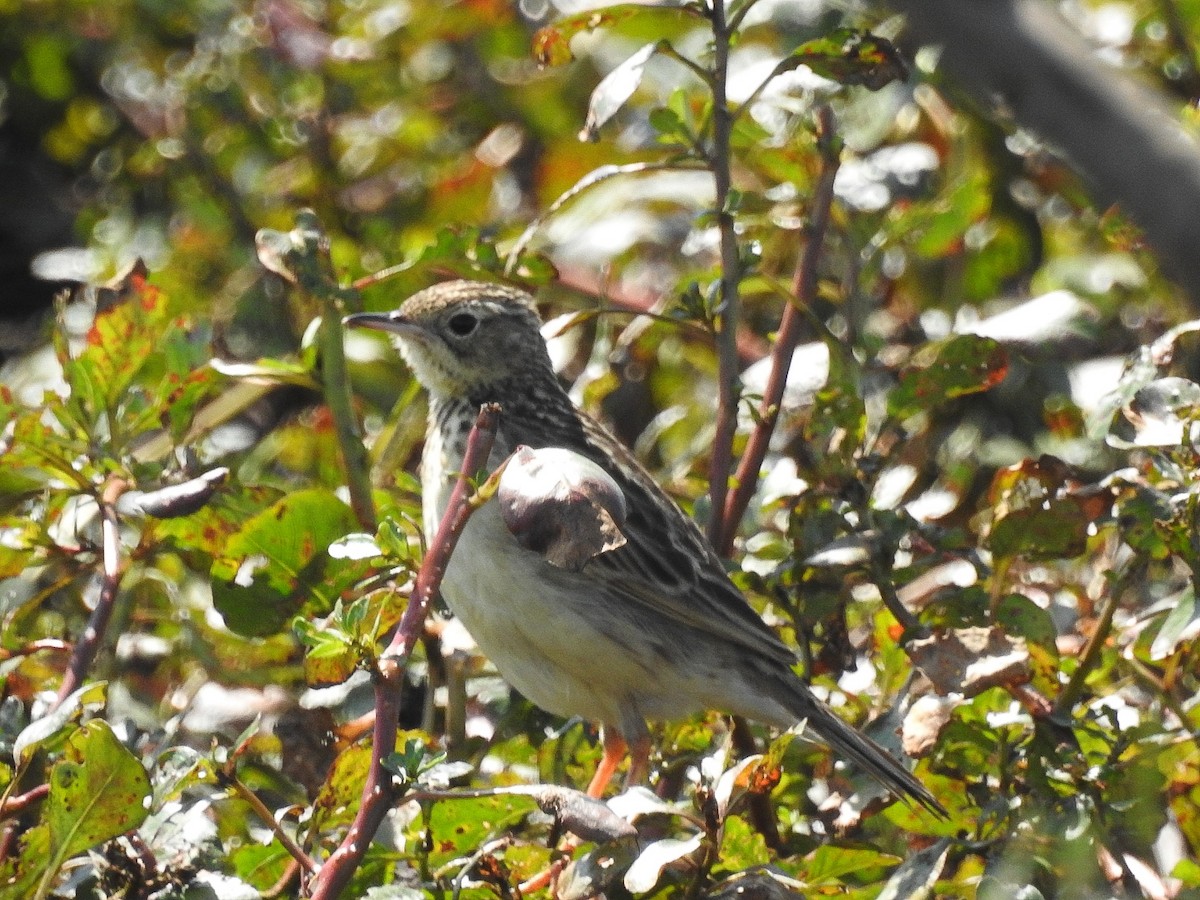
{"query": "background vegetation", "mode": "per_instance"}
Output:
(976, 515)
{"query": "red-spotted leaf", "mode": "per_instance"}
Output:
(277, 563)
(98, 791)
(960, 365)
(552, 44)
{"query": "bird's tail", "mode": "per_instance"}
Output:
(876, 761)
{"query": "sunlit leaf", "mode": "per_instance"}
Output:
(552, 44)
(49, 731)
(1181, 624)
(645, 871)
(616, 88)
(971, 660)
(277, 562)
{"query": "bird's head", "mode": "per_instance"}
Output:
(462, 336)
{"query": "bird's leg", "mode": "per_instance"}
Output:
(639, 760)
(614, 751)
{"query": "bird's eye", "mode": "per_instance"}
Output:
(463, 323)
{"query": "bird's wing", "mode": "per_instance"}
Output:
(666, 567)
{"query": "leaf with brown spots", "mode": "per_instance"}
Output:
(276, 563)
(97, 792)
(941, 371)
(552, 44)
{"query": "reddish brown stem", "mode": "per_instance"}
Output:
(804, 290)
(112, 568)
(379, 793)
(16, 805)
(34, 647)
(260, 809)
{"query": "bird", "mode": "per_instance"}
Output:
(653, 630)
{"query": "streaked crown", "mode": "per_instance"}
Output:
(463, 337)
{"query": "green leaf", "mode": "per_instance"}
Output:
(259, 865)
(121, 340)
(459, 827)
(333, 655)
(851, 57)
(940, 371)
(22, 870)
(615, 88)
(1057, 530)
(337, 802)
(210, 529)
(552, 44)
(830, 863)
(742, 846)
(97, 791)
(1020, 616)
(1181, 623)
(278, 562)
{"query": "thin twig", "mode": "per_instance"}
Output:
(730, 308)
(336, 382)
(283, 885)
(881, 574)
(666, 49)
(112, 568)
(302, 257)
(260, 809)
(1091, 652)
(32, 647)
(16, 805)
(379, 792)
(314, 262)
(804, 291)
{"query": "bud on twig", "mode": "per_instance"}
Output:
(561, 505)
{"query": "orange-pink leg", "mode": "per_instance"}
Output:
(614, 751)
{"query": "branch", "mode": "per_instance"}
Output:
(14, 806)
(302, 257)
(260, 809)
(804, 291)
(379, 793)
(730, 308)
(113, 567)
(1091, 652)
(1118, 133)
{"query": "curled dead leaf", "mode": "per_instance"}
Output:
(561, 506)
(968, 661)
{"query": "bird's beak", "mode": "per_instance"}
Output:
(391, 322)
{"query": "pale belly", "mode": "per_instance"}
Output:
(560, 642)
(523, 615)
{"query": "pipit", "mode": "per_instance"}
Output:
(652, 630)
